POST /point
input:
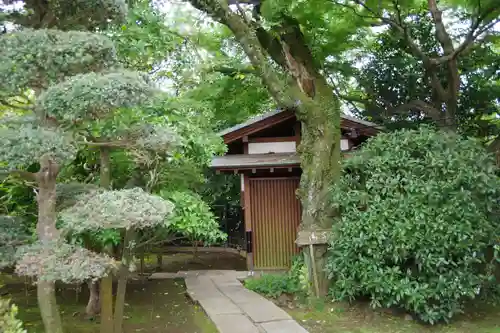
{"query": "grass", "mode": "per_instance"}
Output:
(151, 306)
(359, 318)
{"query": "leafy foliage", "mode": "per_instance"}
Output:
(273, 285)
(144, 40)
(416, 223)
(75, 15)
(193, 218)
(57, 261)
(68, 194)
(12, 236)
(8, 318)
(31, 143)
(128, 208)
(93, 95)
(88, 14)
(37, 58)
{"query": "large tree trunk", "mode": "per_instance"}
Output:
(106, 292)
(47, 232)
(317, 108)
(320, 161)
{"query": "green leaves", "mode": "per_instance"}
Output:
(57, 261)
(8, 318)
(129, 208)
(21, 146)
(93, 95)
(417, 221)
(36, 58)
(193, 219)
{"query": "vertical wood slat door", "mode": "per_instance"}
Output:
(275, 214)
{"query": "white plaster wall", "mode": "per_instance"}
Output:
(272, 147)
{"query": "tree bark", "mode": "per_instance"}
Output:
(93, 306)
(46, 294)
(317, 107)
(106, 292)
(106, 297)
(47, 232)
(122, 280)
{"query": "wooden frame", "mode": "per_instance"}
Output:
(258, 126)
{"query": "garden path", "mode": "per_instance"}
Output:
(231, 306)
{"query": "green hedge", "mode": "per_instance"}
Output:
(417, 218)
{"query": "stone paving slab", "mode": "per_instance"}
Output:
(234, 323)
(284, 326)
(164, 275)
(264, 311)
(232, 307)
(218, 306)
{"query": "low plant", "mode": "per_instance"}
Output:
(8, 318)
(274, 285)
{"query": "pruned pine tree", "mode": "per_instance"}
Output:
(75, 79)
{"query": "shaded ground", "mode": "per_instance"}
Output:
(151, 306)
(174, 262)
(345, 318)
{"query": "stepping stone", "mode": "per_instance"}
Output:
(282, 326)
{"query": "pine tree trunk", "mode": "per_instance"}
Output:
(122, 281)
(46, 294)
(106, 296)
(106, 292)
(93, 306)
(47, 232)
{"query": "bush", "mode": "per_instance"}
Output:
(416, 223)
(193, 218)
(273, 285)
(8, 318)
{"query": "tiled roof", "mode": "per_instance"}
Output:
(278, 111)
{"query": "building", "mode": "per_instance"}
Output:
(263, 151)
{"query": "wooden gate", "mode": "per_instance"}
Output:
(275, 214)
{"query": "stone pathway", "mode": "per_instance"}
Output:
(231, 306)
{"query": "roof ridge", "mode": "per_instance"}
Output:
(268, 114)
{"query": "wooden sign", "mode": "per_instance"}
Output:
(308, 237)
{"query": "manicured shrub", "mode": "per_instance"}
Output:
(417, 223)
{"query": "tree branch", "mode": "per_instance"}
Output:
(109, 144)
(24, 175)
(230, 71)
(7, 104)
(441, 34)
(401, 28)
(471, 37)
(428, 109)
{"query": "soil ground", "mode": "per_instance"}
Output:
(151, 306)
(174, 262)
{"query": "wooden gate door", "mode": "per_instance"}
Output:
(275, 215)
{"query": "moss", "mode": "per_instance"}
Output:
(152, 306)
